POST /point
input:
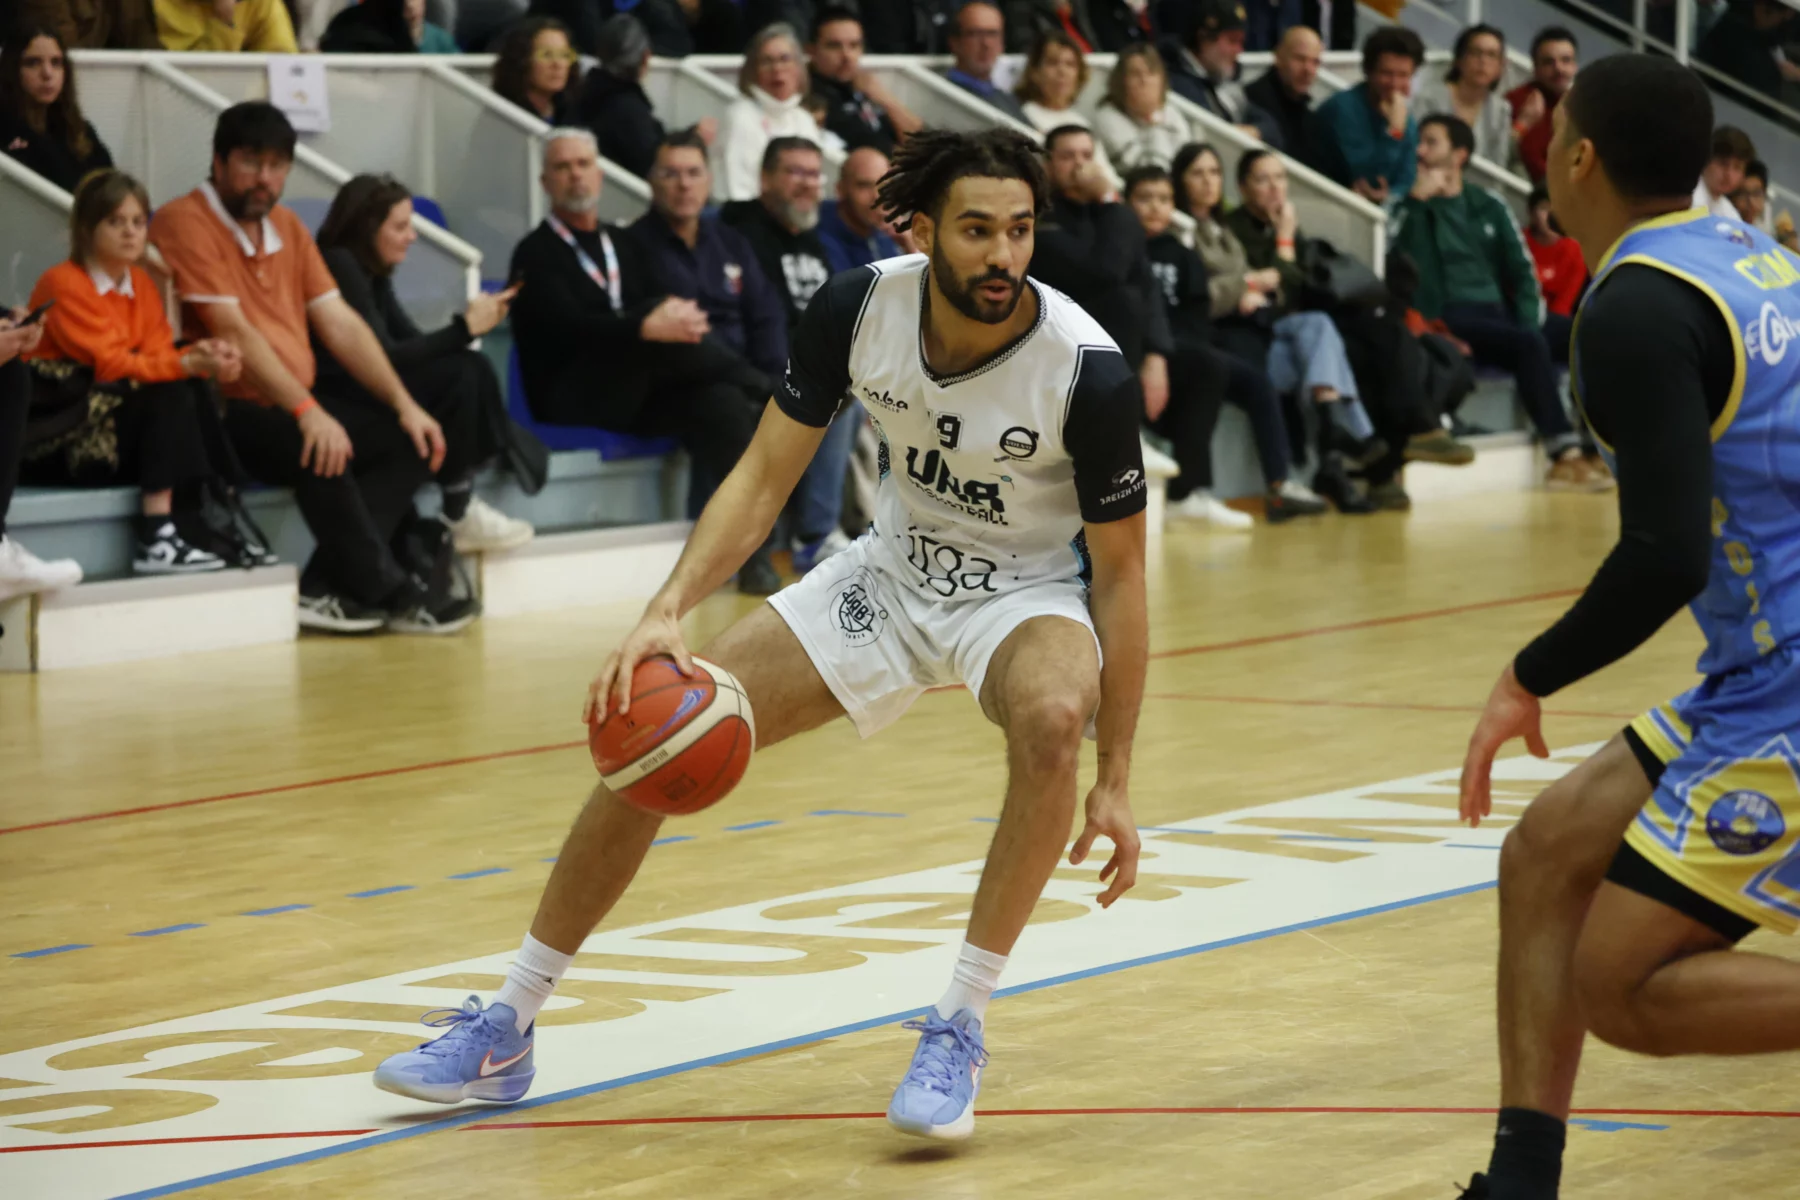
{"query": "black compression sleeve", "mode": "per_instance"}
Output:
(818, 372)
(1106, 404)
(1657, 363)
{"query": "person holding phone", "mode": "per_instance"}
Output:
(115, 398)
(365, 237)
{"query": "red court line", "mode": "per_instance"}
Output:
(744, 1118)
(296, 787)
(1204, 648)
(1373, 704)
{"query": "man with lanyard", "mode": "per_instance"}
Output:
(598, 337)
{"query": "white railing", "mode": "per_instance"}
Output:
(35, 234)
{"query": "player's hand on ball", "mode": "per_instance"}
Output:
(1109, 814)
(1511, 712)
(658, 633)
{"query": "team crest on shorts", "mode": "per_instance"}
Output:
(1744, 822)
(860, 618)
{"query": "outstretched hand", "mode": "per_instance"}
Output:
(1511, 712)
(1109, 814)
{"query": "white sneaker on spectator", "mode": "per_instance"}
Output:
(339, 614)
(1204, 506)
(22, 572)
(485, 527)
(161, 550)
(1293, 489)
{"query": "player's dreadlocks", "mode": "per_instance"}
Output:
(929, 161)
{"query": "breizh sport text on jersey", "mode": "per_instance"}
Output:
(987, 475)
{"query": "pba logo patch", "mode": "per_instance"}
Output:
(860, 618)
(1744, 822)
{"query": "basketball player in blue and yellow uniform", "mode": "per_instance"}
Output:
(1626, 886)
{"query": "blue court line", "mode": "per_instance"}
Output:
(679, 837)
(1465, 846)
(1281, 837)
(167, 929)
(49, 950)
(489, 1113)
(750, 825)
(386, 891)
(480, 873)
(1599, 1126)
(279, 908)
(986, 820)
(552, 858)
(849, 812)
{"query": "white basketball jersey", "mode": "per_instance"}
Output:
(986, 476)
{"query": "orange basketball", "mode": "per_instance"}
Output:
(685, 742)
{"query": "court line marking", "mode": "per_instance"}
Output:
(1180, 652)
(1579, 1116)
(456, 1120)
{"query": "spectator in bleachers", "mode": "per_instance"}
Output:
(772, 87)
(1562, 272)
(1372, 134)
(1096, 252)
(1470, 90)
(386, 27)
(859, 110)
(679, 28)
(1268, 20)
(1724, 173)
(1307, 356)
(122, 408)
(1055, 74)
(1752, 197)
(1136, 123)
(1553, 66)
(1121, 23)
(613, 102)
(1209, 376)
(1205, 69)
(853, 227)
(977, 37)
(535, 69)
(1284, 92)
(1029, 20)
(93, 24)
(909, 26)
(41, 125)
(1743, 44)
(260, 26)
(1477, 277)
(606, 346)
(364, 239)
(21, 571)
(700, 258)
(247, 270)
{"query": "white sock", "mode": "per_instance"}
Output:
(531, 978)
(973, 982)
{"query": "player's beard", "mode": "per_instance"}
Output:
(962, 294)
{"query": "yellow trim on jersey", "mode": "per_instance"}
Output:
(1666, 221)
(1738, 358)
(1703, 883)
(1656, 737)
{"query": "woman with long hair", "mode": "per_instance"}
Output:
(1136, 122)
(771, 104)
(40, 118)
(1055, 75)
(1470, 89)
(115, 399)
(364, 238)
(535, 68)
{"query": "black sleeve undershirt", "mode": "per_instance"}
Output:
(1657, 364)
(1100, 430)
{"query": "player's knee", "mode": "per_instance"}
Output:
(1048, 729)
(1549, 845)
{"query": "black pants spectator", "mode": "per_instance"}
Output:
(352, 516)
(1499, 341)
(15, 398)
(1201, 378)
(1559, 331)
(453, 389)
(1390, 368)
(156, 443)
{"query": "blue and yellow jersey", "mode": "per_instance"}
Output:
(1751, 604)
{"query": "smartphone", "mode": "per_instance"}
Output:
(35, 315)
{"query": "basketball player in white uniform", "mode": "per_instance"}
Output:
(1007, 553)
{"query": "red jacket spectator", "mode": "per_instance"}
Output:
(1534, 143)
(1561, 271)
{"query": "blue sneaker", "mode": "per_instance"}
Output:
(483, 1057)
(808, 555)
(937, 1097)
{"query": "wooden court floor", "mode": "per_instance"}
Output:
(279, 843)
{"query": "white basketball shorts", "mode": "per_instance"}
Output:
(879, 645)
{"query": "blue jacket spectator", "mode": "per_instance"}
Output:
(851, 226)
(1370, 138)
(700, 258)
(977, 39)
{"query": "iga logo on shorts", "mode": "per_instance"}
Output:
(858, 614)
(1744, 822)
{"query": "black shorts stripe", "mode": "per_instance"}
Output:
(1647, 759)
(1630, 869)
